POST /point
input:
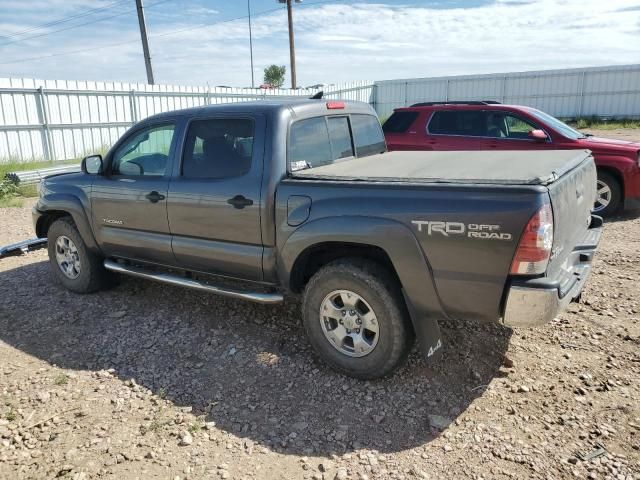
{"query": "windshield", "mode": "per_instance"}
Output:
(556, 124)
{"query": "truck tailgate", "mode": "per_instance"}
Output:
(572, 197)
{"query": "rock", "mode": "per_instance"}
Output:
(43, 396)
(341, 474)
(300, 426)
(185, 438)
(447, 448)
(439, 422)
(523, 389)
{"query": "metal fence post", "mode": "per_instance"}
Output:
(43, 119)
(446, 91)
(374, 97)
(581, 99)
(504, 88)
(133, 106)
(406, 94)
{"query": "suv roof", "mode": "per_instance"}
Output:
(480, 105)
(457, 102)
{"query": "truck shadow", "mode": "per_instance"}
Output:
(249, 368)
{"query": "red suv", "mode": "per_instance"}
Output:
(489, 125)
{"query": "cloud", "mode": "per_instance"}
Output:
(342, 42)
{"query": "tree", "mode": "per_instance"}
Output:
(274, 75)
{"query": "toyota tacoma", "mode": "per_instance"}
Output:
(300, 196)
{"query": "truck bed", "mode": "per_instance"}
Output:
(521, 167)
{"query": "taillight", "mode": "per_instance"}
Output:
(534, 249)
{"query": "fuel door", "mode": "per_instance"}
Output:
(298, 209)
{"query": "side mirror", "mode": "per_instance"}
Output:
(92, 164)
(538, 135)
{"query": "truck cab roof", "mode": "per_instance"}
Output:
(296, 108)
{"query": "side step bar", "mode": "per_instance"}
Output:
(23, 247)
(258, 297)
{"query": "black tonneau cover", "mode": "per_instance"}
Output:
(517, 167)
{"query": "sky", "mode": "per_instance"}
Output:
(198, 42)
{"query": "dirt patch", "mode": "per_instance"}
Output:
(149, 381)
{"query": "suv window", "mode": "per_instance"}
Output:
(145, 153)
(504, 125)
(367, 135)
(469, 123)
(218, 148)
(399, 122)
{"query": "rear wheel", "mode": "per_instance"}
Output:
(356, 319)
(72, 263)
(608, 195)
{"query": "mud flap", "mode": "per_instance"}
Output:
(23, 247)
(427, 332)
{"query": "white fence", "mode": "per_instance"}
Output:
(570, 93)
(59, 120)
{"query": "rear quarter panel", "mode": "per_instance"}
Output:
(468, 273)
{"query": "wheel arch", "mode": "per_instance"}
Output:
(57, 205)
(386, 241)
(315, 256)
(616, 174)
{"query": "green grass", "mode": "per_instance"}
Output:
(12, 195)
(10, 415)
(61, 379)
(195, 427)
(16, 166)
(599, 124)
(11, 202)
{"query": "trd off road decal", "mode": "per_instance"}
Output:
(453, 229)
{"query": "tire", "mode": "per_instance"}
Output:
(380, 306)
(608, 196)
(68, 253)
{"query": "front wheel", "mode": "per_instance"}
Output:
(356, 319)
(72, 263)
(608, 195)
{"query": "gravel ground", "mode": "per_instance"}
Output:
(150, 381)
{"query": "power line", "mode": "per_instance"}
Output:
(79, 25)
(172, 32)
(64, 19)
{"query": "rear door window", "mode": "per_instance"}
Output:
(468, 123)
(399, 122)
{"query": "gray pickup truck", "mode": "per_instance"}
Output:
(302, 197)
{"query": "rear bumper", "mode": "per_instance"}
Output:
(537, 301)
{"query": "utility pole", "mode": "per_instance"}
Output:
(145, 42)
(253, 83)
(292, 50)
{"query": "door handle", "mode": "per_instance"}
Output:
(154, 197)
(240, 201)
